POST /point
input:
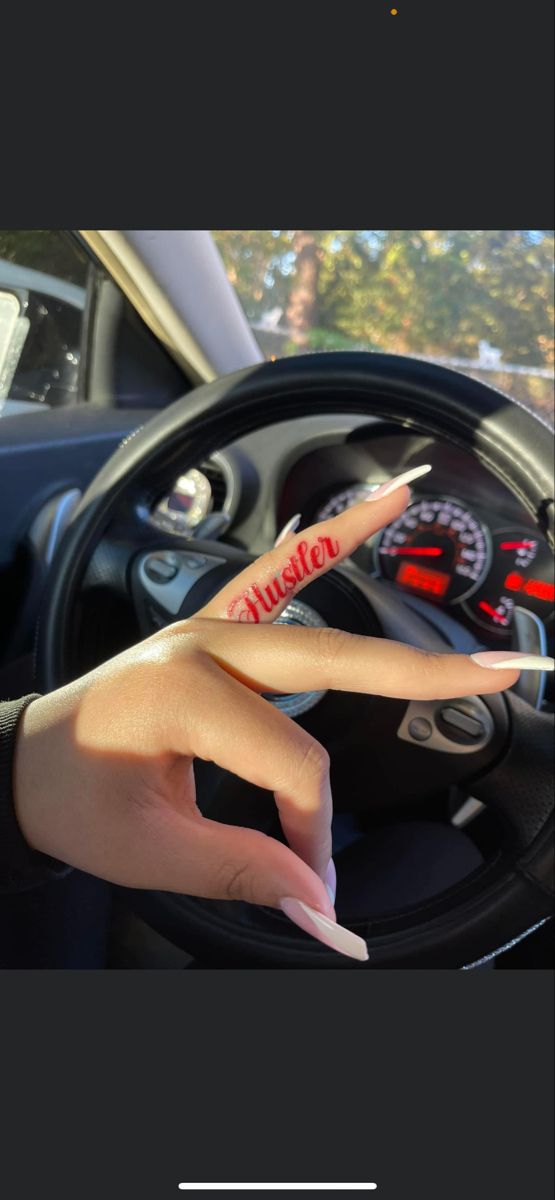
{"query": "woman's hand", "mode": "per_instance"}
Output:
(104, 767)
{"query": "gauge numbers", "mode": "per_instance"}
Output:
(436, 548)
(345, 499)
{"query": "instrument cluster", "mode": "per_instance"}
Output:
(453, 554)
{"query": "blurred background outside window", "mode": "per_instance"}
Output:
(479, 301)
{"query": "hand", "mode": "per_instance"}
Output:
(104, 766)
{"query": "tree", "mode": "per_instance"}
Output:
(302, 309)
(434, 292)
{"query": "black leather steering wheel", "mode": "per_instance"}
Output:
(511, 769)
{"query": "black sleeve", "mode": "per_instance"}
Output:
(20, 866)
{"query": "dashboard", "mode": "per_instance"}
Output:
(464, 542)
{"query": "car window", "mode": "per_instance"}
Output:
(479, 301)
(69, 336)
(43, 282)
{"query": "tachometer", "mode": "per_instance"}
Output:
(522, 573)
(342, 500)
(437, 549)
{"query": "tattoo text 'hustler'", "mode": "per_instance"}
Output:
(255, 601)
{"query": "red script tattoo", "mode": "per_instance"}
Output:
(256, 600)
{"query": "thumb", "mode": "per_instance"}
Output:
(226, 862)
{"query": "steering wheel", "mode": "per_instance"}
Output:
(509, 763)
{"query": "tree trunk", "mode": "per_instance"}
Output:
(303, 300)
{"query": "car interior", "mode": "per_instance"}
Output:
(133, 485)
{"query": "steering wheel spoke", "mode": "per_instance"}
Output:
(161, 580)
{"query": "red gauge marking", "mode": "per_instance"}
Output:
(493, 612)
(516, 545)
(422, 551)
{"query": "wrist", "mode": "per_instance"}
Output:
(24, 770)
(21, 866)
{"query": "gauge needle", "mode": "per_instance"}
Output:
(493, 612)
(422, 551)
(516, 545)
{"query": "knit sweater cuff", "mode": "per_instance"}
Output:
(21, 867)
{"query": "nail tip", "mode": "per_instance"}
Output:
(387, 489)
(291, 527)
(497, 660)
(321, 927)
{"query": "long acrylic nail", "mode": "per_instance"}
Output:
(331, 880)
(289, 528)
(326, 931)
(385, 489)
(505, 660)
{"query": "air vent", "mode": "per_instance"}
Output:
(217, 481)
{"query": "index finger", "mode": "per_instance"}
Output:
(280, 658)
(261, 592)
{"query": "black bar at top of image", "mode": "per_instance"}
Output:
(438, 117)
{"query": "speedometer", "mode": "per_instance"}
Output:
(437, 549)
(342, 500)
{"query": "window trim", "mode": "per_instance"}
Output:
(122, 262)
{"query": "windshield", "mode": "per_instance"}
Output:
(480, 301)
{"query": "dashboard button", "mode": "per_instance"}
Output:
(462, 722)
(161, 569)
(420, 729)
(194, 561)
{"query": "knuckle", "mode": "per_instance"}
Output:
(188, 633)
(314, 762)
(236, 882)
(332, 644)
(182, 641)
(428, 664)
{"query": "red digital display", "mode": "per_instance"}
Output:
(422, 579)
(538, 588)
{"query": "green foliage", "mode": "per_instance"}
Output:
(330, 339)
(434, 292)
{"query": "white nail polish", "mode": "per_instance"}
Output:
(290, 527)
(506, 660)
(330, 881)
(329, 932)
(385, 489)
